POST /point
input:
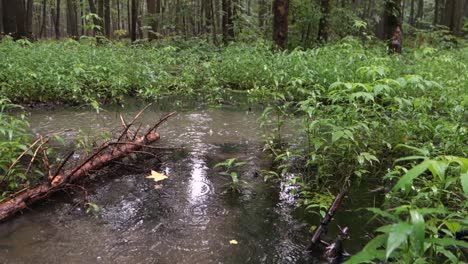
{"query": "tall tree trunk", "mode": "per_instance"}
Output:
(21, 20)
(118, 15)
(9, 17)
(72, 19)
(436, 12)
(420, 13)
(453, 15)
(129, 17)
(134, 20)
(411, 18)
(392, 17)
(92, 8)
(29, 17)
(280, 23)
(323, 23)
(1, 17)
(153, 22)
(100, 8)
(44, 18)
(57, 20)
(228, 25)
(214, 19)
(107, 18)
(262, 13)
(81, 17)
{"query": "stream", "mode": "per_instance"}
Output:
(186, 220)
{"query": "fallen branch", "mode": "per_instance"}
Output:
(329, 216)
(101, 157)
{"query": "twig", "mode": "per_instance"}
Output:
(62, 164)
(35, 155)
(162, 120)
(146, 152)
(141, 145)
(136, 131)
(45, 161)
(22, 154)
(131, 122)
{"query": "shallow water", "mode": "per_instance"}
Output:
(188, 220)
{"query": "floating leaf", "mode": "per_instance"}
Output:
(233, 242)
(156, 176)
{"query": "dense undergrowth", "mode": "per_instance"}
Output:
(364, 114)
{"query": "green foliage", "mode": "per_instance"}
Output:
(231, 167)
(425, 210)
(13, 141)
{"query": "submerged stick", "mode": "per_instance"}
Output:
(330, 213)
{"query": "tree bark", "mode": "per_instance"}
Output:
(228, 25)
(107, 18)
(92, 7)
(9, 17)
(21, 20)
(153, 22)
(29, 18)
(436, 12)
(392, 16)
(134, 20)
(323, 23)
(411, 18)
(262, 13)
(420, 13)
(57, 20)
(1, 18)
(72, 19)
(280, 23)
(44, 18)
(453, 15)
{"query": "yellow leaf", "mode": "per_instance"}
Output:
(233, 242)
(156, 176)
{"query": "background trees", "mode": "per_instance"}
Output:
(290, 22)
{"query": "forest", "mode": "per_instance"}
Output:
(233, 131)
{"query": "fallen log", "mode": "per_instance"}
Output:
(101, 157)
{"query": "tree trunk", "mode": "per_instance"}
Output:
(153, 22)
(420, 13)
(44, 18)
(107, 18)
(1, 18)
(411, 18)
(21, 30)
(92, 7)
(228, 26)
(436, 12)
(134, 20)
(72, 19)
(118, 15)
(29, 18)
(323, 23)
(453, 15)
(9, 17)
(262, 12)
(280, 23)
(57, 20)
(392, 16)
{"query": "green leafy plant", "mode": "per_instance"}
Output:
(236, 185)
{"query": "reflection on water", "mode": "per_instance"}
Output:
(187, 221)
